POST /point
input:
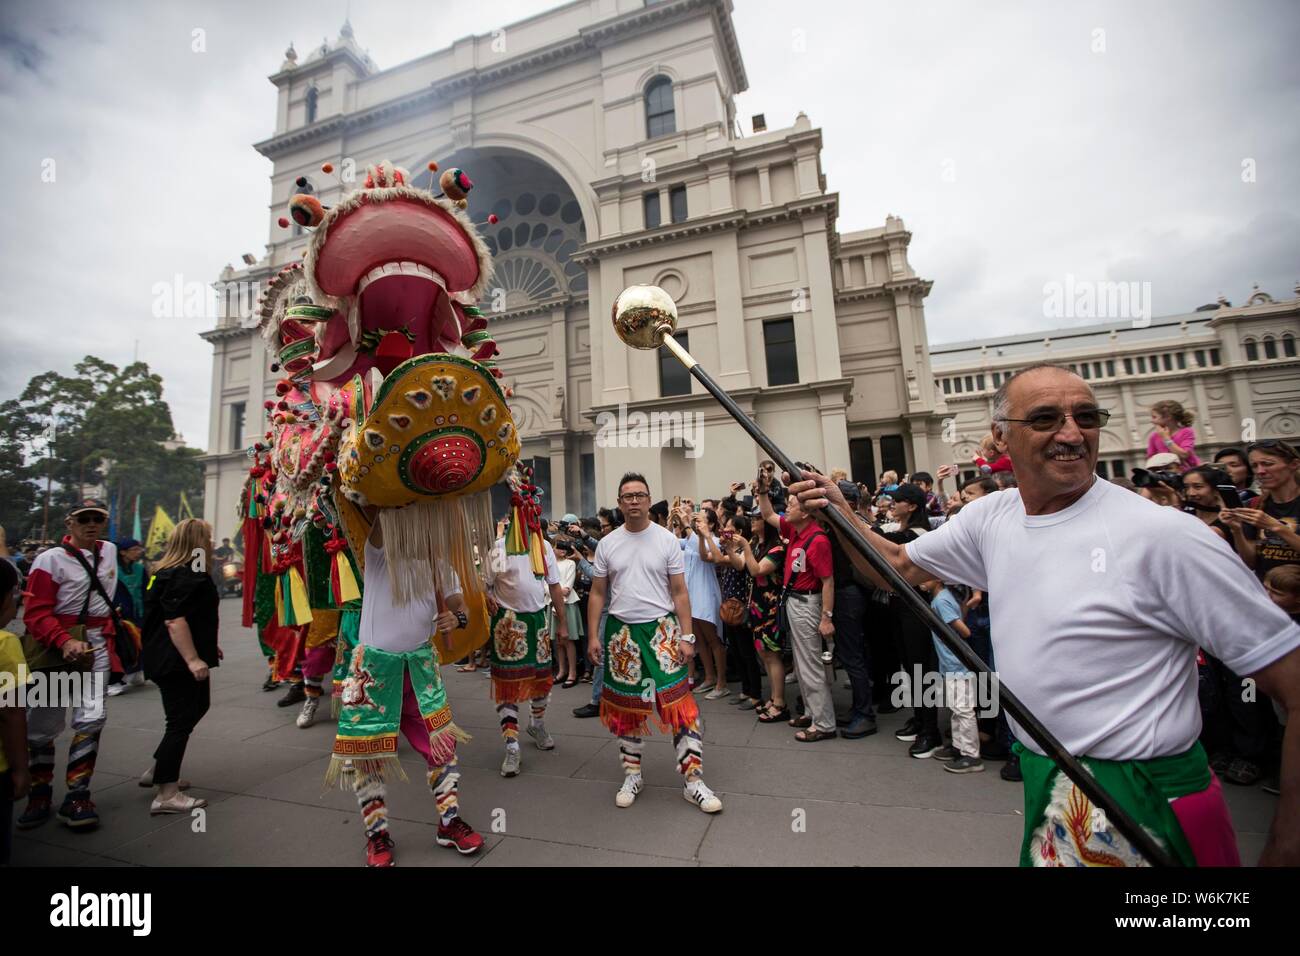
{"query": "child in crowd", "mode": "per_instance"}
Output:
(566, 650)
(963, 756)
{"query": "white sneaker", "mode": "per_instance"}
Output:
(697, 793)
(115, 689)
(135, 678)
(790, 678)
(308, 715)
(626, 795)
(540, 737)
(510, 766)
(718, 693)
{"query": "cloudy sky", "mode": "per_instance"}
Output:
(1020, 142)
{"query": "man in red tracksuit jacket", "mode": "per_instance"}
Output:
(58, 593)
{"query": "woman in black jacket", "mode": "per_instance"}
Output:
(179, 647)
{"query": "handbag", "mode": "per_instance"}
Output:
(733, 612)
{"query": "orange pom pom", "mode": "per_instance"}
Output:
(327, 167)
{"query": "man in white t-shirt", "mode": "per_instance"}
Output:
(394, 685)
(1104, 598)
(521, 648)
(640, 565)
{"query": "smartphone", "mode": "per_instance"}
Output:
(1231, 497)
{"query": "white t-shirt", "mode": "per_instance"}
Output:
(399, 627)
(512, 582)
(568, 578)
(638, 565)
(1097, 612)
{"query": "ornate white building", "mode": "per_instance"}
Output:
(1234, 368)
(603, 135)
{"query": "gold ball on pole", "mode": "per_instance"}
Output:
(643, 315)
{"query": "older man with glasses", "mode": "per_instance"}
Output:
(68, 616)
(1103, 599)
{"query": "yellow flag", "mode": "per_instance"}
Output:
(184, 510)
(160, 529)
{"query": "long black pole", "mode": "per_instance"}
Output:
(848, 529)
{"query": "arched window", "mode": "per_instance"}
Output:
(1252, 350)
(660, 117)
(312, 94)
(1288, 345)
(1270, 347)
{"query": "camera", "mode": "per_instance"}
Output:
(1142, 478)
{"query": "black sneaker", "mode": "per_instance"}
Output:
(1272, 784)
(992, 752)
(858, 729)
(587, 710)
(946, 754)
(296, 695)
(1011, 770)
(965, 765)
(270, 683)
(909, 730)
(925, 747)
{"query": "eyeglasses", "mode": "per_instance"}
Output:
(1052, 421)
(91, 517)
(635, 496)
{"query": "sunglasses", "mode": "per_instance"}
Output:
(90, 517)
(1273, 444)
(1052, 421)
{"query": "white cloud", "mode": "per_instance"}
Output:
(1124, 164)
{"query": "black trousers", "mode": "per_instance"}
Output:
(185, 701)
(740, 641)
(851, 648)
(882, 649)
(6, 816)
(916, 649)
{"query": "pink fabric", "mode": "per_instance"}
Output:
(1184, 438)
(318, 661)
(1208, 826)
(413, 724)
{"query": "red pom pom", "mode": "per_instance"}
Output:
(283, 406)
(327, 167)
(268, 404)
(492, 219)
(433, 167)
(331, 466)
(281, 388)
(283, 222)
(328, 455)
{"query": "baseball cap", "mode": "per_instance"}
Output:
(1162, 460)
(569, 518)
(88, 504)
(850, 491)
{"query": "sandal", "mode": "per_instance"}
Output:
(1242, 771)
(812, 735)
(467, 668)
(569, 683)
(770, 716)
(177, 804)
(802, 723)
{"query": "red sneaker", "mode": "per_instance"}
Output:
(379, 850)
(461, 835)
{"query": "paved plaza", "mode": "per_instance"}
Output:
(839, 802)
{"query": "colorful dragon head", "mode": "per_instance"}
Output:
(390, 396)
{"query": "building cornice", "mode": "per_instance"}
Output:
(224, 333)
(593, 252)
(884, 290)
(515, 68)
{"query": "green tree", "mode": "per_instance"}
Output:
(101, 426)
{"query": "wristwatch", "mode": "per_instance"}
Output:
(687, 639)
(828, 615)
(462, 619)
